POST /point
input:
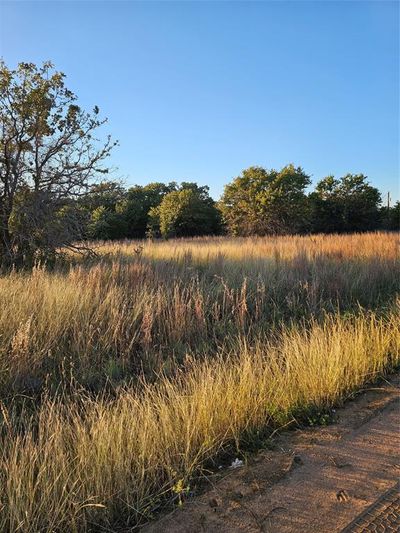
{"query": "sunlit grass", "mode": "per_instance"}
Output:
(122, 378)
(245, 249)
(92, 462)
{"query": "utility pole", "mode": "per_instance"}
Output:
(388, 202)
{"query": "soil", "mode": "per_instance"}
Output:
(316, 480)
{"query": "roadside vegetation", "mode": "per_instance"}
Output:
(126, 377)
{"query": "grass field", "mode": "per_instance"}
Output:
(124, 377)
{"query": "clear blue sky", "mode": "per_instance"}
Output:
(201, 90)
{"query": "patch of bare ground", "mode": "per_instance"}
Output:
(313, 480)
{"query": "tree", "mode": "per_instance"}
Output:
(138, 202)
(49, 154)
(186, 212)
(106, 224)
(327, 207)
(100, 204)
(346, 204)
(264, 202)
(391, 217)
(361, 203)
(104, 194)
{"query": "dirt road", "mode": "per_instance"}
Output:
(314, 480)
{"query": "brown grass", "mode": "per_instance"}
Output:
(182, 353)
(122, 314)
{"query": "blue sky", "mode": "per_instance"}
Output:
(201, 90)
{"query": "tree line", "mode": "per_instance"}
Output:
(258, 202)
(53, 194)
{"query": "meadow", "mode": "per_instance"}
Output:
(127, 377)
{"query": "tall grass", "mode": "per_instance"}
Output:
(82, 464)
(125, 313)
(123, 379)
(243, 249)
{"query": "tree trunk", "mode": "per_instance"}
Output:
(6, 248)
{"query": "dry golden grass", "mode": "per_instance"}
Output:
(164, 359)
(366, 245)
(88, 463)
(124, 312)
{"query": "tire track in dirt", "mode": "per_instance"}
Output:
(314, 480)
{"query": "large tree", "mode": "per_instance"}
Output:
(327, 206)
(185, 212)
(137, 203)
(345, 205)
(264, 202)
(100, 205)
(361, 203)
(105, 194)
(49, 153)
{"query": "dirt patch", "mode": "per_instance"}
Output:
(383, 515)
(314, 480)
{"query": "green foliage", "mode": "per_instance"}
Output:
(181, 489)
(186, 212)
(391, 217)
(105, 224)
(265, 202)
(137, 203)
(49, 154)
(317, 417)
(153, 224)
(258, 202)
(104, 194)
(39, 224)
(327, 208)
(345, 205)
